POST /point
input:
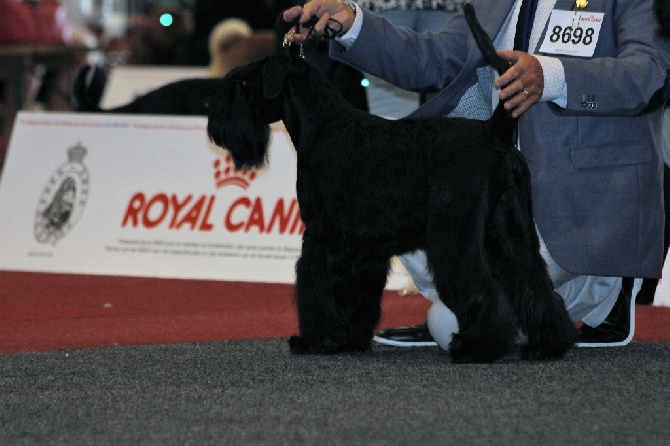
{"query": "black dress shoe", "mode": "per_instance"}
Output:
(409, 336)
(616, 330)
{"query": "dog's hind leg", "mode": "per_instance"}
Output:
(515, 254)
(457, 258)
(338, 299)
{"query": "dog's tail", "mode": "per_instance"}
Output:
(502, 124)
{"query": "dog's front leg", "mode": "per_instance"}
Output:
(338, 300)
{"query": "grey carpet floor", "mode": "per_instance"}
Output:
(255, 392)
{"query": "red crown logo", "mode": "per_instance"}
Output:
(226, 175)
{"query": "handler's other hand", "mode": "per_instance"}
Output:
(324, 10)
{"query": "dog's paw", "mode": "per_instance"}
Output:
(553, 343)
(468, 355)
(462, 354)
(470, 349)
(553, 337)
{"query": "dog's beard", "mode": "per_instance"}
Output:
(234, 126)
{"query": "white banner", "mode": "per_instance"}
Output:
(145, 196)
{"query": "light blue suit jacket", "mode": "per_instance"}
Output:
(596, 173)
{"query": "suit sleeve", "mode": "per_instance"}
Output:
(629, 71)
(408, 59)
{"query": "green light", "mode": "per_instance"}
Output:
(365, 82)
(165, 19)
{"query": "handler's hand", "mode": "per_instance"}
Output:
(324, 10)
(523, 84)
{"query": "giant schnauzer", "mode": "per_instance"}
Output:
(371, 188)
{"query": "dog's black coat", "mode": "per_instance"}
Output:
(370, 188)
(662, 11)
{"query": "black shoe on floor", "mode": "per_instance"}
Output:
(410, 336)
(617, 328)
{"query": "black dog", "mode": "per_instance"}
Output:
(370, 188)
(183, 97)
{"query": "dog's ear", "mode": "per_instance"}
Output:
(275, 72)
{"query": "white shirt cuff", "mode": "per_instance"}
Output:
(555, 88)
(348, 38)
